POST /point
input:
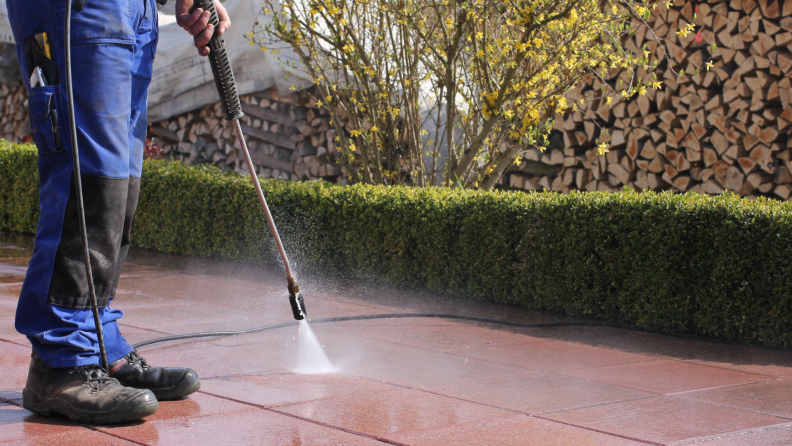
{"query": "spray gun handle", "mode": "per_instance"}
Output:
(221, 66)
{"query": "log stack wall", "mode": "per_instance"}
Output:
(288, 136)
(721, 129)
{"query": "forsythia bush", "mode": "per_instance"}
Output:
(713, 266)
(451, 92)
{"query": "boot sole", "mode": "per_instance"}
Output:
(176, 392)
(56, 406)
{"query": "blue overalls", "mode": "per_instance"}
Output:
(113, 45)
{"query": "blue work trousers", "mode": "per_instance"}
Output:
(113, 45)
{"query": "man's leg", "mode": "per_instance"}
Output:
(132, 370)
(54, 311)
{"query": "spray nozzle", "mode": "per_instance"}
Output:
(296, 300)
(297, 306)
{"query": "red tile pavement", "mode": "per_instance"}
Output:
(250, 427)
(750, 359)
(769, 397)
(285, 389)
(385, 413)
(664, 376)
(405, 381)
(538, 392)
(779, 435)
(551, 355)
(81, 437)
(519, 430)
(662, 419)
(435, 334)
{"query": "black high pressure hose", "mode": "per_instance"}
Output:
(77, 179)
(362, 317)
(208, 334)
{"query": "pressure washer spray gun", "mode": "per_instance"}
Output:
(226, 87)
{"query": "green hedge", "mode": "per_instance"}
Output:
(714, 266)
(19, 182)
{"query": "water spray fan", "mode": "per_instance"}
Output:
(229, 96)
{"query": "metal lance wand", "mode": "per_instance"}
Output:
(226, 87)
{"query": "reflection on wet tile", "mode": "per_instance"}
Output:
(385, 413)
(663, 376)
(18, 423)
(210, 361)
(551, 355)
(771, 397)
(476, 377)
(520, 430)
(780, 435)
(14, 363)
(434, 334)
(281, 389)
(251, 427)
(77, 437)
(663, 419)
(538, 392)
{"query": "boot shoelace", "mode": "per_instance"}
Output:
(94, 375)
(135, 358)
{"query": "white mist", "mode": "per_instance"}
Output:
(311, 357)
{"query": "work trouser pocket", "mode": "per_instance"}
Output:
(44, 119)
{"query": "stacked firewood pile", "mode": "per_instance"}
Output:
(288, 135)
(721, 129)
(14, 120)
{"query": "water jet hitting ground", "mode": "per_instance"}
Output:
(312, 358)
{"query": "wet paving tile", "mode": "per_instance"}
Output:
(663, 419)
(197, 289)
(396, 364)
(7, 309)
(81, 437)
(284, 389)
(254, 426)
(763, 361)
(14, 363)
(519, 430)
(134, 335)
(11, 396)
(409, 381)
(8, 332)
(664, 376)
(196, 405)
(167, 317)
(538, 392)
(780, 435)
(772, 397)
(212, 361)
(126, 300)
(634, 341)
(18, 423)
(552, 355)
(385, 413)
(434, 334)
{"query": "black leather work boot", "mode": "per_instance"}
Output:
(166, 383)
(86, 394)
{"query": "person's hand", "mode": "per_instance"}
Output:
(197, 23)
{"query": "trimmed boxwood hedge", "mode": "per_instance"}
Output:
(695, 264)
